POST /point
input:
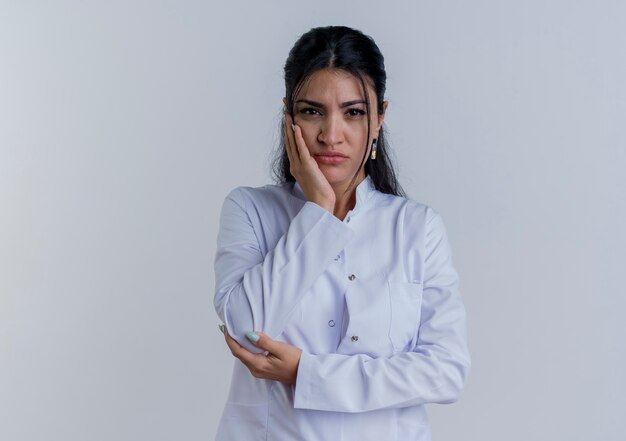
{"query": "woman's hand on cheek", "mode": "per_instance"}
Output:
(279, 363)
(304, 168)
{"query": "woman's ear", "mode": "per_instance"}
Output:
(381, 117)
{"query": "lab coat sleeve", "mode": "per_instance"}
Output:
(257, 292)
(433, 372)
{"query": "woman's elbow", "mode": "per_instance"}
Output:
(455, 377)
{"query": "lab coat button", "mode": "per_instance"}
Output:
(351, 277)
(355, 338)
(348, 219)
(331, 323)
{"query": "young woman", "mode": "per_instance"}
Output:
(338, 295)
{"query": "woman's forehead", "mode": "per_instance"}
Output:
(334, 84)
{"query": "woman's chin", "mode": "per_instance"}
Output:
(339, 180)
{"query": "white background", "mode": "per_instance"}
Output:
(123, 124)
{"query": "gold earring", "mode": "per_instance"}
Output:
(373, 155)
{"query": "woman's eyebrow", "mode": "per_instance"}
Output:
(321, 106)
(311, 103)
(351, 103)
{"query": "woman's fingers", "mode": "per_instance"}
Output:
(250, 359)
(280, 362)
(303, 150)
(277, 348)
(297, 150)
(290, 143)
(234, 346)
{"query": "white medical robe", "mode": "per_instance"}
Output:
(373, 302)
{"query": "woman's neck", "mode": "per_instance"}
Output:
(345, 199)
(343, 204)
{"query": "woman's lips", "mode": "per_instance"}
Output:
(330, 158)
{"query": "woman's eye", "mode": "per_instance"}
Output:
(309, 111)
(356, 112)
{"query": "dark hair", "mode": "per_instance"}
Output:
(350, 50)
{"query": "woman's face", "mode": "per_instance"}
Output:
(330, 109)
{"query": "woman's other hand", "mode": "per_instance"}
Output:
(304, 168)
(279, 363)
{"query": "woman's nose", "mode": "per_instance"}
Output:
(331, 131)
